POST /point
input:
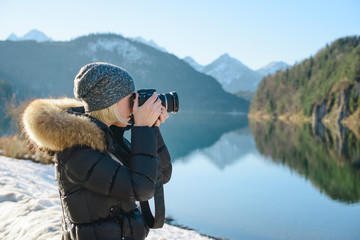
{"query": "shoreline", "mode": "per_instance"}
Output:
(171, 222)
(349, 122)
(34, 199)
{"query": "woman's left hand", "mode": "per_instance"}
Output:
(163, 116)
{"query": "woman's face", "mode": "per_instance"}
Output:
(125, 107)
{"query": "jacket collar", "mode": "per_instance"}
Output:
(57, 124)
(113, 134)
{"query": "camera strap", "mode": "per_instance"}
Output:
(159, 203)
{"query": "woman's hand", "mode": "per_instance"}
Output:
(148, 113)
(163, 116)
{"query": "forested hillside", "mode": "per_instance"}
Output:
(325, 86)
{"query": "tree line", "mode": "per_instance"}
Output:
(322, 77)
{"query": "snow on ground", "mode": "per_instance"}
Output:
(30, 205)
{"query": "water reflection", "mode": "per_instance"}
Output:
(231, 147)
(228, 188)
(328, 158)
(186, 132)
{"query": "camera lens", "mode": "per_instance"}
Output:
(170, 101)
(176, 102)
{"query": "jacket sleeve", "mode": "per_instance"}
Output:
(164, 157)
(100, 173)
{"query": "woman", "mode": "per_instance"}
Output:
(99, 173)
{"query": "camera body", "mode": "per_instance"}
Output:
(169, 100)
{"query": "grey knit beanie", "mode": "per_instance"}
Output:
(101, 85)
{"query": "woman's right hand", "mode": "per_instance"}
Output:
(149, 112)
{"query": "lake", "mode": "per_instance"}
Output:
(237, 179)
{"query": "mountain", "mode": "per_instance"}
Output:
(12, 37)
(232, 74)
(150, 43)
(272, 68)
(34, 34)
(42, 69)
(323, 88)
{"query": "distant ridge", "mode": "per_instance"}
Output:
(34, 34)
(233, 75)
(41, 70)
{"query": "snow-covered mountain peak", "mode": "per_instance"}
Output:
(231, 73)
(226, 58)
(229, 61)
(34, 34)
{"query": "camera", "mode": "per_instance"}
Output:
(169, 100)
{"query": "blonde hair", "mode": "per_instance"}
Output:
(109, 115)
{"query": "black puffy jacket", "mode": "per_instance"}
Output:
(98, 191)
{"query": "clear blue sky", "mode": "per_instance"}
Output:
(255, 32)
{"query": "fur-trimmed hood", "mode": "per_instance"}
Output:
(47, 123)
